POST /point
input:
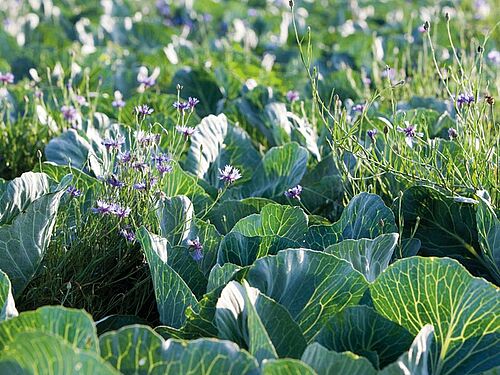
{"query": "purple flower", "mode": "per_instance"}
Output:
(69, 113)
(73, 192)
(124, 157)
(181, 106)
(229, 174)
(115, 182)
(294, 193)
(410, 133)
(197, 247)
(452, 133)
(6, 78)
(464, 99)
(140, 186)
(358, 108)
(113, 144)
(143, 110)
(164, 168)
(186, 131)
(121, 212)
(372, 133)
(127, 234)
(81, 100)
(292, 96)
(140, 166)
(192, 102)
(146, 138)
(103, 207)
(494, 57)
(118, 102)
(146, 80)
(161, 158)
(389, 73)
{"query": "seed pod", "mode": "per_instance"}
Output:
(426, 26)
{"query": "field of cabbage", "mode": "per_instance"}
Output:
(249, 187)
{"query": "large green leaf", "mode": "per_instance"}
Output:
(239, 249)
(204, 357)
(7, 306)
(359, 329)
(255, 321)
(416, 361)
(176, 216)
(281, 168)
(445, 226)
(227, 213)
(173, 295)
(24, 241)
(18, 194)
(311, 285)
(326, 362)
(286, 367)
(370, 257)
(366, 216)
(464, 311)
(43, 353)
(217, 143)
(73, 326)
(488, 230)
(220, 275)
(134, 349)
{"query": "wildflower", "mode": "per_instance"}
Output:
(6, 78)
(161, 158)
(464, 99)
(121, 212)
(140, 186)
(372, 133)
(127, 234)
(118, 102)
(192, 102)
(494, 57)
(145, 80)
(69, 113)
(81, 100)
(197, 247)
(140, 166)
(164, 168)
(146, 138)
(73, 191)
(229, 174)
(410, 133)
(181, 106)
(113, 144)
(292, 96)
(294, 193)
(124, 157)
(186, 131)
(358, 108)
(115, 182)
(103, 207)
(143, 110)
(38, 94)
(452, 133)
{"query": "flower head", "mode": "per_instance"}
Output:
(146, 80)
(118, 102)
(113, 144)
(147, 138)
(292, 96)
(181, 106)
(452, 133)
(73, 191)
(115, 182)
(81, 100)
(494, 57)
(140, 186)
(186, 131)
(294, 193)
(410, 133)
(124, 157)
(197, 247)
(121, 212)
(103, 207)
(464, 99)
(128, 234)
(192, 102)
(69, 113)
(6, 78)
(372, 133)
(229, 174)
(358, 108)
(143, 110)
